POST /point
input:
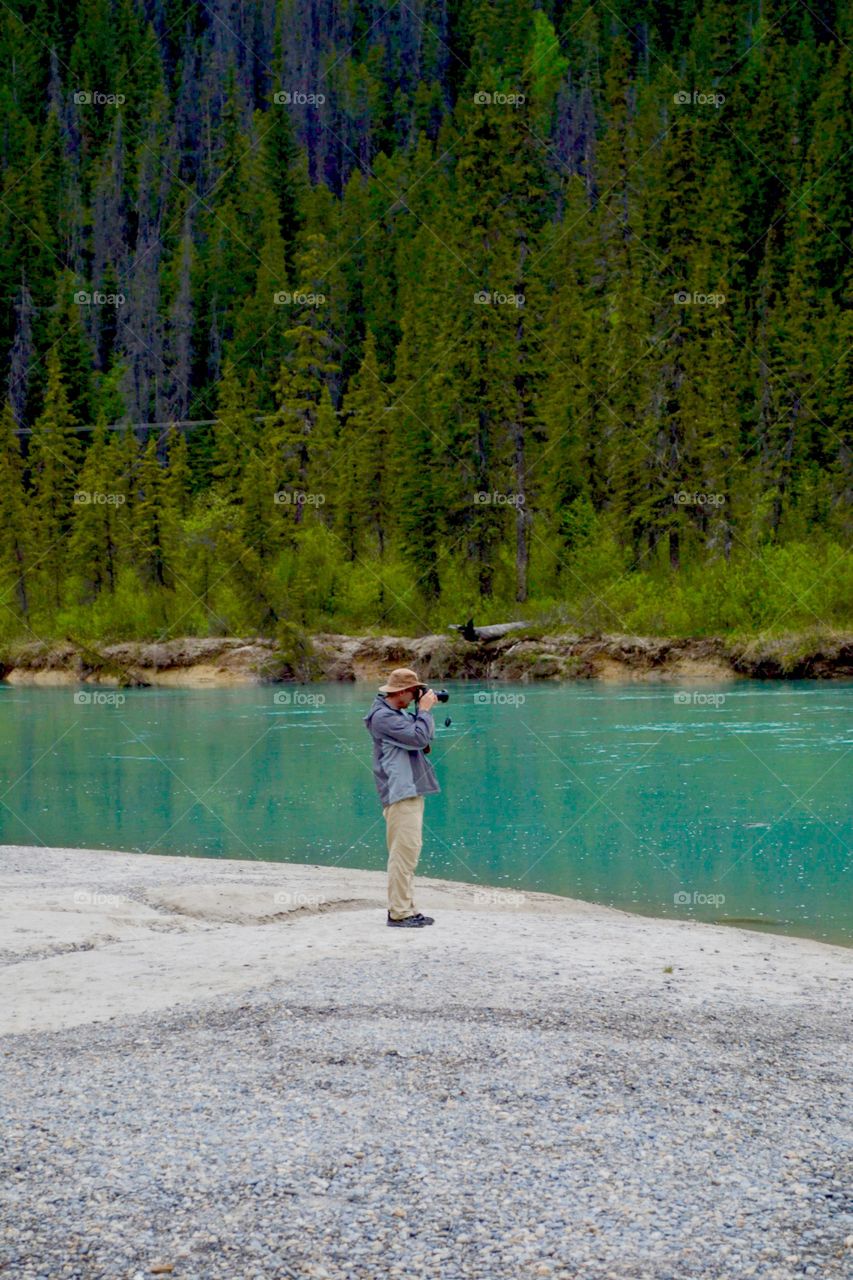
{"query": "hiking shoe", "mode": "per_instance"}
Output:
(411, 922)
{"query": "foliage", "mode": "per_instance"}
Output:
(555, 326)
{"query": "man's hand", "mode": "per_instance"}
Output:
(428, 701)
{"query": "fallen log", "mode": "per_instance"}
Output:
(477, 634)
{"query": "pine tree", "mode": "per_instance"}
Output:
(15, 538)
(362, 457)
(414, 459)
(234, 436)
(290, 438)
(838, 416)
(826, 195)
(567, 400)
(67, 334)
(258, 520)
(178, 479)
(53, 461)
(287, 176)
(93, 549)
(153, 519)
(320, 475)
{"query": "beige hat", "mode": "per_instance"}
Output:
(401, 678)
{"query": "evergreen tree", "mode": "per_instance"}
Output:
(53, 461)
(362, 458)
(67, 334)
(234, 436)
(16, 536)
(153, 521)
(291, 437)
(93, 548)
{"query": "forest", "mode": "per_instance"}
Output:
(352, 316)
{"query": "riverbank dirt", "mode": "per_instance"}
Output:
(519, 656)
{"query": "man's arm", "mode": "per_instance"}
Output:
(412, 734)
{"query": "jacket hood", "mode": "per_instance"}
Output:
(378, 702)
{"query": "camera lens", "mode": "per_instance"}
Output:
(442, 695)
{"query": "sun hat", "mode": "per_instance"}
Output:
(401, 678)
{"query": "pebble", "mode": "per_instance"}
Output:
(242, 1139)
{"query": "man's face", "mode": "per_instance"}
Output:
(403, 698)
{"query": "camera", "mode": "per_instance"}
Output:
(441, 694)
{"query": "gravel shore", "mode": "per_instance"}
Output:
(225, 1070)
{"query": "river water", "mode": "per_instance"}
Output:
(724, 803)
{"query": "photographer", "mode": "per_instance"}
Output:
(403, 776)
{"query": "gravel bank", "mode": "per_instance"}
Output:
(521, 1090)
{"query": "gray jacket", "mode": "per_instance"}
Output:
(400, 768)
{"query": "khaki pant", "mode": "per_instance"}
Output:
(404, 826)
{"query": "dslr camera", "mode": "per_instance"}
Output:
(441, 694)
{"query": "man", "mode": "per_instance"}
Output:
(403, 776)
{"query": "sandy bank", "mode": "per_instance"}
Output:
(90, 935)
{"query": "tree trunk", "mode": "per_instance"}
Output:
(674, 561)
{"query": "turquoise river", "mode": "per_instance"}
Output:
(725, 803)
